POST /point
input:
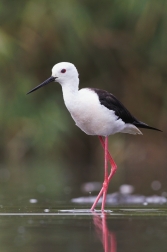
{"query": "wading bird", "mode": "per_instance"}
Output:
(96, 112)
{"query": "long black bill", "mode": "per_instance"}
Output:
(50, 79)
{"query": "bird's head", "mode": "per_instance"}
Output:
(62, 73)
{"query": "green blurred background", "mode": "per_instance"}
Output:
(120, 46)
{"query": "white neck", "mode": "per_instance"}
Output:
(70, 92)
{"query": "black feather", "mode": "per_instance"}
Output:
(112, 103)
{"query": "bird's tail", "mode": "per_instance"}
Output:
(145, 126)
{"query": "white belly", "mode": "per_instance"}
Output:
(93, 124)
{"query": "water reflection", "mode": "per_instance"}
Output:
(107, 237)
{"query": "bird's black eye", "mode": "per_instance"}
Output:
(63, 70)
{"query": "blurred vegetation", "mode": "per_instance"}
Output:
(120, 46)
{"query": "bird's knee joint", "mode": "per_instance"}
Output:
(105, 184)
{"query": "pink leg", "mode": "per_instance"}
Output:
(111, 160)
(106, 182)
(106, 177)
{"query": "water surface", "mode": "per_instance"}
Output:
(39, 227)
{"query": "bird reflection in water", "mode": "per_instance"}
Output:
(107, 238)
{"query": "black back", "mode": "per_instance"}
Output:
(112, 103)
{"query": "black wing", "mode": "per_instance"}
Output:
(112, 103)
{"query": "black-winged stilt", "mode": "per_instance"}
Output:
(96, 112)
